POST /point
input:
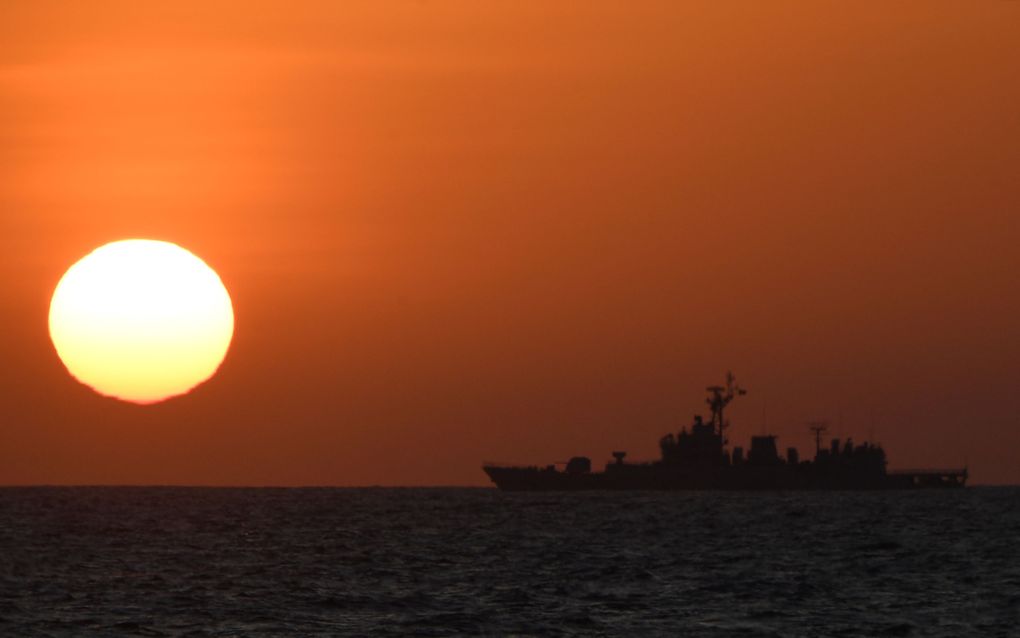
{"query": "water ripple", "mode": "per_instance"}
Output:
(439, 562)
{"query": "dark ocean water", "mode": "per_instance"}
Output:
(437, 562)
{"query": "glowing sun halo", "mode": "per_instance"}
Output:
(141, 320)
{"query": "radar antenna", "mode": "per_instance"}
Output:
(720, 397)
(818, 427)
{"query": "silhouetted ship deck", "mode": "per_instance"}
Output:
(698, 459)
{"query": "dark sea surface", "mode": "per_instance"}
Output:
(438, 562)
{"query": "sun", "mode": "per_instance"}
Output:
(141, 320)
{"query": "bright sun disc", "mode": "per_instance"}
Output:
(141, 320)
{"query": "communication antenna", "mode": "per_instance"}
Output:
(818, 427)
(721, 395)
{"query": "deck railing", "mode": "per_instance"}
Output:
(931, 471)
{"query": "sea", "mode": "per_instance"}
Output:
(166, 561)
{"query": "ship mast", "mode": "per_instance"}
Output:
(721, 395)
(818, 427)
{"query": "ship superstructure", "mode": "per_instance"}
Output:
(698, 458)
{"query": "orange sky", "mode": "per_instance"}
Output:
(467, 231)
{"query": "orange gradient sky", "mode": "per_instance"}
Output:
(457, 231)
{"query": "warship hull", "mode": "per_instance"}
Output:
(657, 477)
